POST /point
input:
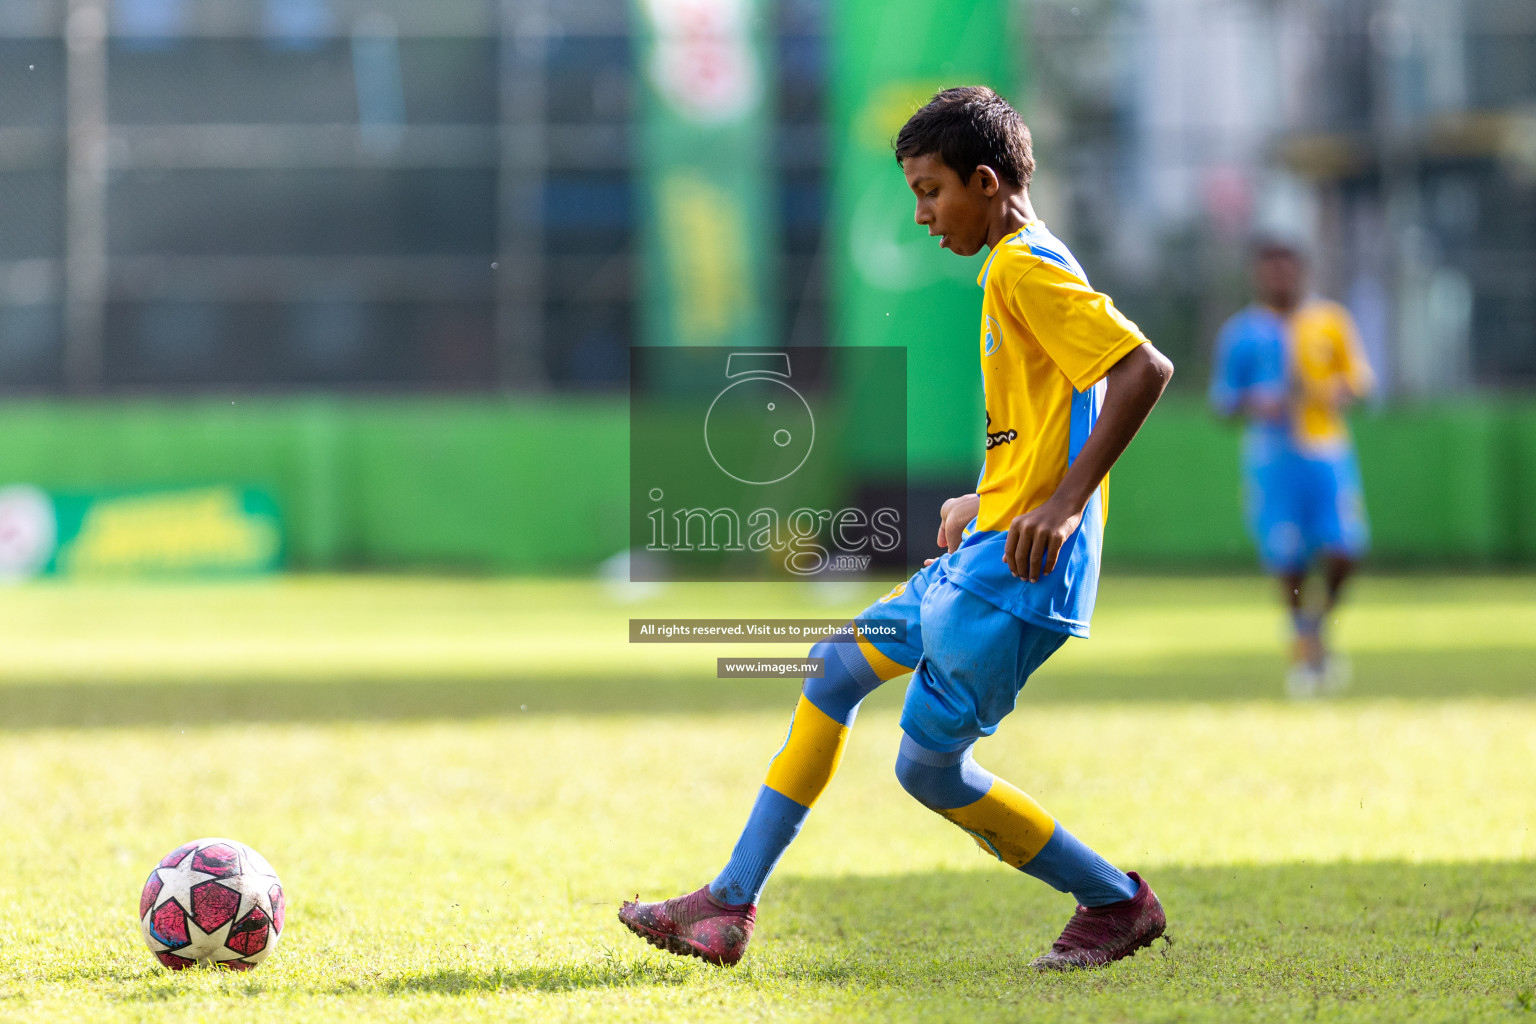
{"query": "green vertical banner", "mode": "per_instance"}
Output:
(892, 284)
(709, 238)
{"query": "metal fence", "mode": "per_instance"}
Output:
(371, 194)
(414, 195)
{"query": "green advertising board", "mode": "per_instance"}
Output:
(214, 530)
(708, 237)
(893, 284)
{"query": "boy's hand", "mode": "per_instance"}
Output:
(1268, 407)
(1337, 394)
(1132, 387)
(1332, 392)
(954, 515)
(1035, 538)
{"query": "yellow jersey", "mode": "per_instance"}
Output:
(1047, 341)
(1303, 358)
(1325, 354)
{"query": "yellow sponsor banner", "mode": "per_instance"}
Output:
(707, 222)
(215, 530)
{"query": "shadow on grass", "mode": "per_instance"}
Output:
(1341, 928)
(1265, 940)
(835, 969)
(608, 973)
(1489, 673)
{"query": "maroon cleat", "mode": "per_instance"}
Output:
(1098, 935)
(693, 925)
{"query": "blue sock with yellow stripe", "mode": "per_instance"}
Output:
(804, 765)
(1008, 824)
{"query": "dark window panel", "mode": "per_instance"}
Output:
(586, 242)
(222, 81)
(803, 17)
(231, 81)
(1345, 94)
(592, 277)
(308, 212)
(599, 203)
(218, 345)
(183, 343)
(449, 81)
(591, 344)
(803, 201)
(458, 344)
(31, 214)
(31, 348)
(590, 17)
(31, 83)
(1501, 69)
(802, 75)
(572, 52)
(1504, 339)
(590, 78)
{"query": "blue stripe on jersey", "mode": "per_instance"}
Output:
(986, 268)
(1054, 257)
(1085, 413)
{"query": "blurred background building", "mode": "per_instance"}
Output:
(206, 194)
(312, 193)
(1396, 137)
(485, 200)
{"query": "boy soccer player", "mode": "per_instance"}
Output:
(1068, 382)
(1289, 363)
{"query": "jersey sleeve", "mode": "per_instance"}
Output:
(1352, 363)
(1080, 329)
(1229, 379)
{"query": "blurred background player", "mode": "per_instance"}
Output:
(1068, 382)
(1289, 364)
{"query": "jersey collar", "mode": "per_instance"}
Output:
(981, 278)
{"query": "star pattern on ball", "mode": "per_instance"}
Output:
(256, 891)
(209, 945)
(177, 883)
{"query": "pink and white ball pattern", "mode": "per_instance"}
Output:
(212, 901)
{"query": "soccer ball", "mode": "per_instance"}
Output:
(212, 901)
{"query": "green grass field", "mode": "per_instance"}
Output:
(458, 781)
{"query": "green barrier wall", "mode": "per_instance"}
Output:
(1443, 485)
(1522, 484)
(489, 485)
(539, 486)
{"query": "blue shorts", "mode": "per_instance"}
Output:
(1300, 505)
(971, 657)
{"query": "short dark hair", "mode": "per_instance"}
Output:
(1263, 245)
(968, 127)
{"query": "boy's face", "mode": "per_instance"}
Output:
(1277, 278)
(956, 211)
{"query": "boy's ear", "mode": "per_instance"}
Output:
(989, 181)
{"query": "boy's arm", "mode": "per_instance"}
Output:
(1134, 385)
(1232, 393)
(1357, 380)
